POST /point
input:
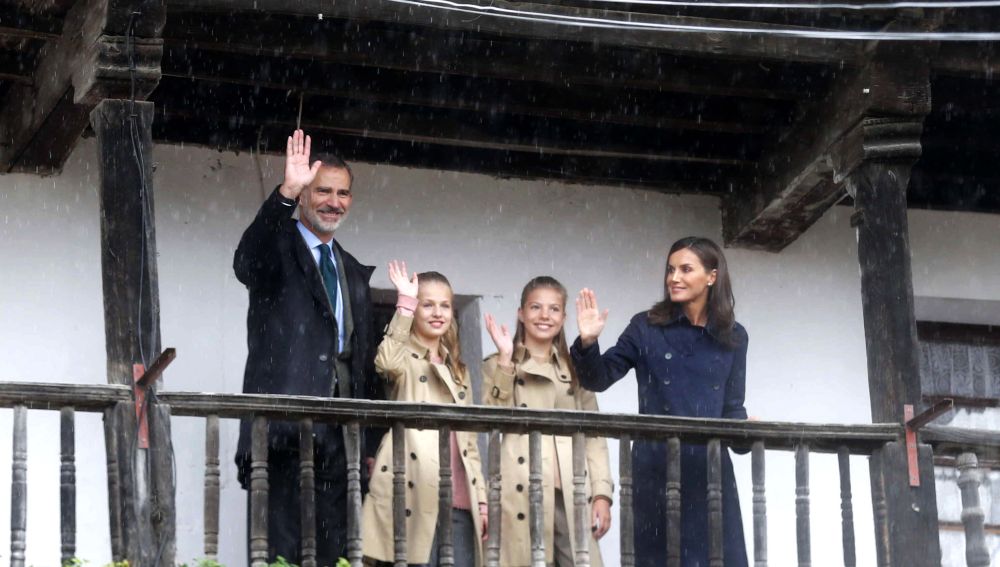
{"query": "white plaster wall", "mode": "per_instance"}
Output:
(802, 308)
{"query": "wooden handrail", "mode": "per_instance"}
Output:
(859, 439)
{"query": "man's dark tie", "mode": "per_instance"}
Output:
(329, 272)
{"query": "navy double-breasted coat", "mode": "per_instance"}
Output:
(681, 370)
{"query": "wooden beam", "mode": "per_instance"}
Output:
(467, 54)
(724, 45)
(132, 318)
(602, 104)
(801, 177)
(456, 129)
(89, 61)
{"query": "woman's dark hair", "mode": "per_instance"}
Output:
(721, 319)
(450, 339)
(560, 340)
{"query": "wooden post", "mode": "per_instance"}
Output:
(625, 496)
(67, 483)
(581, 510)
(846, 507)
(19, 488)
(132, 319)
(352, 445)
(258, 493)
(493, 466)
(399, 510)
(976, 553)
(446, 549)
(673, 502)
(878, 184)
(307, 493)
(212, 487)
(536, 510)
(714, 497)
(759, 506)
(802, 532)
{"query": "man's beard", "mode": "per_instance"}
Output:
(324, 227)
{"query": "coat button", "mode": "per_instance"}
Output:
(414, 355)
(323, 358)
(590, 499)
(520, 381)
(524, 405)
(564, 377)
(423, 378)
(520, 460)
(520, 488)
(668, 356)
(496, 392)
(465, 452)
(461, 395)
(409, 483)
(408, 513)
(520, 515)
(666, 382)
(715, 387)
(413, 456)
(473, 481)
(385, 468)
(569, 392)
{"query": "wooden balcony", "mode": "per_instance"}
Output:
(144, 533)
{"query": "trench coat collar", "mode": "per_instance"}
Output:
(443, 370)
(529, 365)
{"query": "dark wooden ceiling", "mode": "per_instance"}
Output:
(382, 82)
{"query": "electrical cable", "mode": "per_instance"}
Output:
(591, 22)
(812, 6)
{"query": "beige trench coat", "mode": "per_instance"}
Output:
(410, 376)
(541, 386)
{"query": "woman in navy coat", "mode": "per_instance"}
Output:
(689, 356)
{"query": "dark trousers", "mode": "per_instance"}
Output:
(284, 511)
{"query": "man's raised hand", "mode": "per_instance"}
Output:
(298, 173)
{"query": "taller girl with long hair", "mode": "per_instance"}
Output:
(689, 356)
(421, 361)
(533, 369)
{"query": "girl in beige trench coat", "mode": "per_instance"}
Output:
(533, 369)
(421, 362)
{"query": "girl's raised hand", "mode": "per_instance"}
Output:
(589, 317)
(405, 285)
(501, 338)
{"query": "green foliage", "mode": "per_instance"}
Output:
(282, 562)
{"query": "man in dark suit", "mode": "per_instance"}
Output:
(309, 333)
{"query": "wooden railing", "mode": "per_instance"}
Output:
(757, 436)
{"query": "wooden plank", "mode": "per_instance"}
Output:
(906, 517)
(307, 493)
(67, 484)
(801, 177)
(626, 514)
(19, 488)
(163, 508)
(725, 45)
(536, 510)
(212, 487)
(446, 549)
(352, 448)
(953, 440)
(715, 536)
(759, 505)
(581, 507)
(41, 122)
(673, 502)
(973, 517)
